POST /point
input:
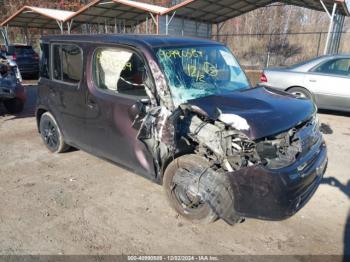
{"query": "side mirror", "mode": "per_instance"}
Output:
(138, 110)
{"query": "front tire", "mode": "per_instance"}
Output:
(14, 106)
(181, 196)
(51, 134)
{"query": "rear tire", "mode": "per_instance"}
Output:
(51, 134)
(179, 196)
(14, 105)
(300, 92)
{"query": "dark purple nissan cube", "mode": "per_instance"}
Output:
(182, 112)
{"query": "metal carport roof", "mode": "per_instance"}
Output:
(36, 17)
(107, 11)
(217, 11)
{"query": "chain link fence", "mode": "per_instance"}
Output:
(257, 51)
(254, 51)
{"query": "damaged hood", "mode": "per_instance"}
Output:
(257, 112)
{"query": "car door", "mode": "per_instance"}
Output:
(65, 95)
(330, 82)
(115, 86)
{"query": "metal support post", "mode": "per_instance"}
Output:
(168, 21)
(331, 17)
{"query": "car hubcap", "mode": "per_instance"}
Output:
(299, 94)
(50, 135)
(185, 188)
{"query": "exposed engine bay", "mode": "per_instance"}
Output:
(223, 145)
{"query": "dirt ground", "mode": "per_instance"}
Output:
(75, 203)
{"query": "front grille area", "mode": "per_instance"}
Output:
(309, 135)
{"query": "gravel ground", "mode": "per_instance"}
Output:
(75, 203)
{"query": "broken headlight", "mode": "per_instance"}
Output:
(280, 151)
(284, 149)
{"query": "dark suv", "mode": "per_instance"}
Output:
(26, 58)
(181, 112)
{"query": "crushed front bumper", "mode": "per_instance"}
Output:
(258, 192)
(277, 194)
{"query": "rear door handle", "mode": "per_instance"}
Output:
(91, 103)
(313, 80)
(53, 91)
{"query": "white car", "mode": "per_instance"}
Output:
(325, 80)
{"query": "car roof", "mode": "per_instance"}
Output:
(309, 64)
(338, 56)
(136, 40)
(333, 56)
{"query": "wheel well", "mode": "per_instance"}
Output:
(39, 113)
(298, 87)
(301, 87)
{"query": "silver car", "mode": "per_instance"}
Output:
(325, 80)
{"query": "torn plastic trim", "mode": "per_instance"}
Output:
(157, 132)
(162, 88)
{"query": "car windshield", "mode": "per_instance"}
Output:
(199, 71)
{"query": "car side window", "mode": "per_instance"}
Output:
(339, 66)
(57, 62)
(44, 61)
(119, 71)
(67, 63)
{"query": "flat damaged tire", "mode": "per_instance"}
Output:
(181, 189)
(14, 105)
(51, 134)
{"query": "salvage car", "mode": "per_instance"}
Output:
(12, 93)
(181, 112)
(325, 80)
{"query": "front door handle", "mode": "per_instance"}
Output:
(313, 80)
